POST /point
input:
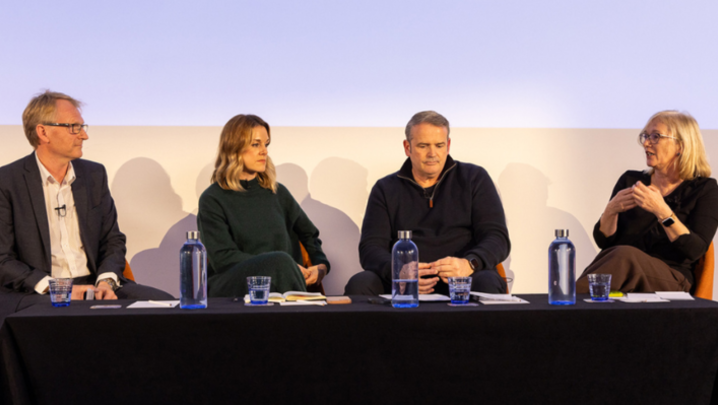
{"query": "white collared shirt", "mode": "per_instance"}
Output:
(67, 253)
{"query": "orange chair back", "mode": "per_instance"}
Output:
(502, 273)
(704, 274)
(128, 272)
(306, 263)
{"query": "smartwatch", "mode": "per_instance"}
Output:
(474, 263)
(668, 221)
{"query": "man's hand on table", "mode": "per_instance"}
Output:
(102, 292)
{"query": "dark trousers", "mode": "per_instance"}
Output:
(14, 301)
(632, 270)
(280, 266)
(369, 283)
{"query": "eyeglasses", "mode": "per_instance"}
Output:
(654, 138)
(74, 128)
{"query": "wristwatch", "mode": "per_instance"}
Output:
(474, 263)
(668, 221)
(109, 281)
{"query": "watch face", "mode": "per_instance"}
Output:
(474, 264)
(668, 221)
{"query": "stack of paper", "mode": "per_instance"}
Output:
(675, 295)
(497, 299)
(658, 296)
(424, 297)
(641, 297)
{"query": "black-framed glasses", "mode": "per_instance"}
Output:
(74, 128)
(654, 137)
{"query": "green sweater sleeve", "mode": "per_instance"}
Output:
(222, 252)
(303, 227)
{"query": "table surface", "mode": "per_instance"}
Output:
(366, 353)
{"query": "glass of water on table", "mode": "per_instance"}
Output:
(258, 287)
(459, 288)
(600, 286)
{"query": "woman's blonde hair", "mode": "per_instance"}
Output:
(235, 138)
(692, 161)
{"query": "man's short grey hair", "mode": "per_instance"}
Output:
(427, 117)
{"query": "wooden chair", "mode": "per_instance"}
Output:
(704, 275)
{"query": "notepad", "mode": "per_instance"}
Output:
(291, 296)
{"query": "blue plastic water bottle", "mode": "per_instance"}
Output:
(193, 273)
(561, 270)
(405, 272)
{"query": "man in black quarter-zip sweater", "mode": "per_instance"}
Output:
(452, 209)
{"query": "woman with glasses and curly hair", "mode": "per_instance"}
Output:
(659, 222)
(250, 224)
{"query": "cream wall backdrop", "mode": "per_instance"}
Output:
(547, 179)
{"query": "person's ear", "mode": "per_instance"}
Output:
(42, 134)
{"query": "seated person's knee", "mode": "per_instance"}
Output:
(364, 283)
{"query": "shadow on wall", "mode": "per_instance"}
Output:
(159, 267)
(531, 222)
(146, 203)
(339, 234)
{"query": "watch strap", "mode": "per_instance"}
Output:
(111, 282)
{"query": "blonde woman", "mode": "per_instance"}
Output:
(659, 222)
(249, 223)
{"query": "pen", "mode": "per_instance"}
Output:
(164, 304)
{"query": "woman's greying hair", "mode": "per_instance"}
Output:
(427, 117)
(235, 138)
(692, 161)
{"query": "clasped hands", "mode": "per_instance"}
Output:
(648, 198)
(442, 269)
(313, 275)
(103, 291)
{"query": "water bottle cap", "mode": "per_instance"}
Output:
(192, 234)
(404, 234)
(562, 233)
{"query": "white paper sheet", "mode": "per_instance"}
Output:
(497, 299)
(675, 295)
(634, 298)
(154, 304)
(424, 297)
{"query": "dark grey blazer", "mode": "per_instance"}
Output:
(24, 230)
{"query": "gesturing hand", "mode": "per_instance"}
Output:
(623, 201)
(650, 199)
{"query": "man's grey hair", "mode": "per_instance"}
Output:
(427, 117)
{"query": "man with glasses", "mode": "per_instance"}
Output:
(452, 208)
(57, 217)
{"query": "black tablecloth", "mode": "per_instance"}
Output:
(361, 353)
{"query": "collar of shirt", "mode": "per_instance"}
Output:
(47, 177)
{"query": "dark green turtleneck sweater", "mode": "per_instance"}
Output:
(238, 225)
